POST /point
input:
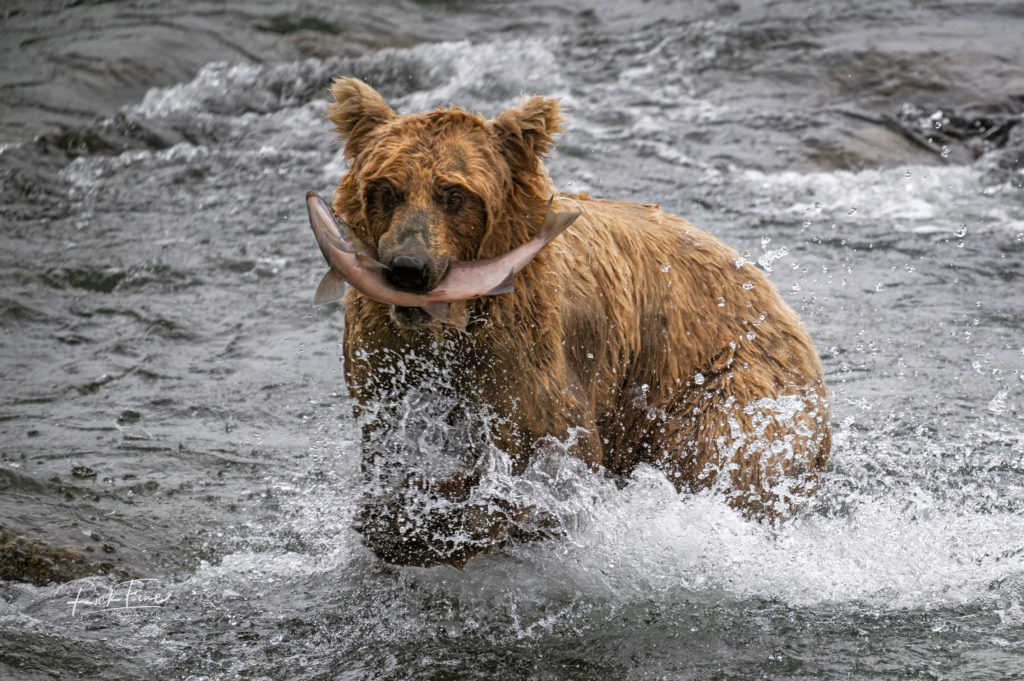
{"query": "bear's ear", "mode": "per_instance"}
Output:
(357, 108)
(526, 132)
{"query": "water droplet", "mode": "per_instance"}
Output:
(907, 174)
(852, 210)
(751, 335)
(666, 268)
(721, 303)
(998, 404)
(698, 378)
(747, 285)
(945, 151)
(795, 288)
(961, 231)
(879, 286)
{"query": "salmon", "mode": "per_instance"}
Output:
(354, 261)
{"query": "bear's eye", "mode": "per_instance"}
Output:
(452, 200)
(387, 197)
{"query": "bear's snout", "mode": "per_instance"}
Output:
(410, 272)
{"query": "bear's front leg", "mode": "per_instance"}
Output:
(423, 502)
(429, 522)
(414, 513)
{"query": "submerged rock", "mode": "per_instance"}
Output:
(908, 108)
(40, 563)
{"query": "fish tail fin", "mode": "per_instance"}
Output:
(331, 289)
(555, 223)
(504, 287)
(438, 311)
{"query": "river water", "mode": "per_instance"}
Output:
(173, 404)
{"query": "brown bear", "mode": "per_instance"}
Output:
(644, 338)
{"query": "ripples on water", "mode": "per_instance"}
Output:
(172, 401)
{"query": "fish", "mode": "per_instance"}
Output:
(356, 262)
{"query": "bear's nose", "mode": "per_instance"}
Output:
(409, 272)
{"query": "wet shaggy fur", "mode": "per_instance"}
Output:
(647, 339)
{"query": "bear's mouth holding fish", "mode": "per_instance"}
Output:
(352, 260)
(635, 338)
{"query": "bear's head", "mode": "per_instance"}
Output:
(431, 188)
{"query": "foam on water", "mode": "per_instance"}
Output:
(412, 79)
(479, 76)
(235, 89)
(920, 199)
